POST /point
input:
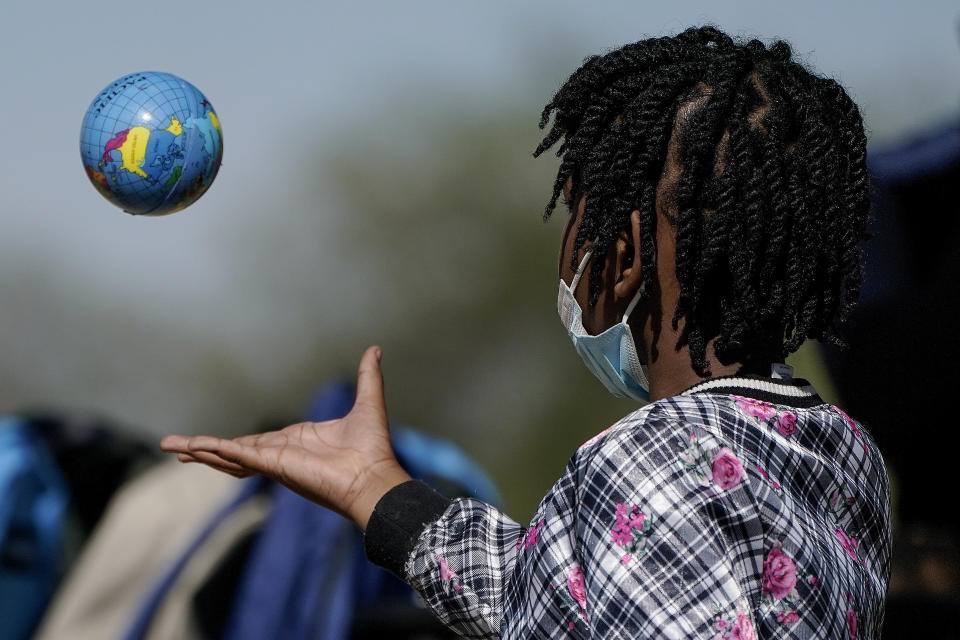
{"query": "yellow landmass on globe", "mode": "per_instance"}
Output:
(133, 151)
(214, 120)
(175, 127)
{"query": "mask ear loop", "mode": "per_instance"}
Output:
(633, 303)
(579, 273)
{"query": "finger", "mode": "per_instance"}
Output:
(370, 380)
(181, 444)
(249, 458)
(216, 467)
(208, 459)
(187, 451)
(215, 461)
(174, 444)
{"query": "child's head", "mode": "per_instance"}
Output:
(758, 165)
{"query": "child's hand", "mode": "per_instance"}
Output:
(345, 465)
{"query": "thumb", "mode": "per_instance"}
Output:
(370, 381)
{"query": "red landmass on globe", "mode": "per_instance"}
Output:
(114, 143)
(98, 179)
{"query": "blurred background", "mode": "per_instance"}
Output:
(378, 187)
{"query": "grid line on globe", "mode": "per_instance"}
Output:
(151, 143)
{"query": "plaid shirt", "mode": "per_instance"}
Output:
(742, 508)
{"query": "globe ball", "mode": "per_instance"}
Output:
(151, 143)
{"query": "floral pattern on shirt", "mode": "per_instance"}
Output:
(631, 531)
(722, 468)
(733, 626)
(838, 518)
(779, 584)
(853, 427)
(763, 411)
(779, 575)
(572, 597)
(530, 536)
(448, 577)
(770, 481)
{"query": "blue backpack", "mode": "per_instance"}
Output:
(33, 502)
(306, 576)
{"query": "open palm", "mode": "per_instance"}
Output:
(345, 465)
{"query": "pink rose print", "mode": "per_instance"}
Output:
(595, 438)
(576, 603)
(772, 482)
(835, 500)
(630, 531)
(852, 622)
(813, 580)
(849, 544)
(837, 513)
(850, 422)
(448, 575)
(621, 538)
(787, 617)
(755, 408)
(743, 630)
(530, 538)
(787, 423)
(739, 628)
(576, 588)
(727, 470)
(533, 535)
(575, 585)
(779, 574)
(621, 533)
(853, 427)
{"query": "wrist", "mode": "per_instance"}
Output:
(397, 523)
(378, 482)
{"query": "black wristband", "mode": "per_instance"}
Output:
(397, 522)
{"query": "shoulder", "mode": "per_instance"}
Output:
(643, 453)
(654, 426)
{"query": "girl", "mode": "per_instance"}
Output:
(718, 197)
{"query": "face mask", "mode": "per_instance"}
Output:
(611, 356)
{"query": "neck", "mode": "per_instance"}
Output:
(671, 370)
(671, 376)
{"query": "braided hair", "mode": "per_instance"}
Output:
(771, 203)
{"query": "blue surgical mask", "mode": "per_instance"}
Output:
(612, 355)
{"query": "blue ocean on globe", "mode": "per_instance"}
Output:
(151, 143)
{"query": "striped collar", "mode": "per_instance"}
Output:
(795, 392)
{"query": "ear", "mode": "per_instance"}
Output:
(629, 276)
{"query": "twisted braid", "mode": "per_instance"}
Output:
(770, 206)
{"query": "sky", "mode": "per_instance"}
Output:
(284, 78)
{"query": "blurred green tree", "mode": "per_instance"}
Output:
(451, 268)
